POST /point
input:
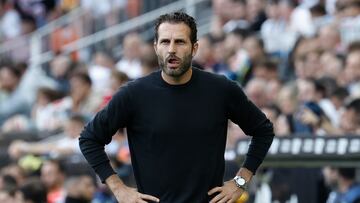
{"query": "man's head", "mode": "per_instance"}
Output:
(176, 18)
(175, 43)
(52, 174)
(9, 77)
(352, 68)
(80, 84)
(32, 191)
(350, 120)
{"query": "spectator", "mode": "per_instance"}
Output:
(53, 177)
(79, 189)
(60, 69)
(32, 191)
(352, 69)
(204, 58)
(60, 145)
(266, 69)
(117, 79)
(347, 190)
(130, 63)
(255, 14)
(148, 59)
(332, 66)
(82, 99)
(254, 48)
(350, 120)
(256, 91)
(15, 171)
(100, 70)
(12, 101)
(10, 22)
(329, 39)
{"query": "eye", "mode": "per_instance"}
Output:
(164, 41)
(180, 41)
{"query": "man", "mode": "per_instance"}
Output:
(352, 69)
(176, 121)
(53, 176)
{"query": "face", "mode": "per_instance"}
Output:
(253, 48)
(349, 121)
(8, 81)
(60, 66)
(328, 38)
(174, 49)
(51, 176)
(86, 187)
(205, 53)
(306, 90)
(352, 69)
(79, 88)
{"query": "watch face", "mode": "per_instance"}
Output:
(241, 181)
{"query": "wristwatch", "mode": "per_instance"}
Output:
(240, 182)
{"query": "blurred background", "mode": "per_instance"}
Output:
(298, 60)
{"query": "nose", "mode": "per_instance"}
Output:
(172, 48)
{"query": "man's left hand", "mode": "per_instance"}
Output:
(228, 193)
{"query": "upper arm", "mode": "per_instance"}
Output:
(114, 116)
(242, 111)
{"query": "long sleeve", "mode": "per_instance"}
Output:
(253, 122)
(99, 131)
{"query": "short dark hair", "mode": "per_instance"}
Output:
(354, 47)
(34, 190)
(355, 106)
(82, 75)
(348, 173)
(59, 163)
(266, 63)
(178, 17)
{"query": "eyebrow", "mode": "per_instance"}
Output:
(176, 40)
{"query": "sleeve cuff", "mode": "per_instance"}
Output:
(104, 170)
(251, 163)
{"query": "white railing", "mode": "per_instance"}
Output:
(38, 57)
(130, 24)
(42, 31)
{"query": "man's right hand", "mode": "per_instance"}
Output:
(127, 194)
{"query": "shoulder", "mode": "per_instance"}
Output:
(139, 85)
(144, 81)
(210, 77)
(353, 194)
(215, 81)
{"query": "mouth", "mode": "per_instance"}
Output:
(173, 62)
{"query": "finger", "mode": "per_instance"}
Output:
(217, 198)
(216, 189)
(231, 200)
(149, 197)
(224, 200)
(141, 201)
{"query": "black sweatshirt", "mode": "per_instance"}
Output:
(177, 134)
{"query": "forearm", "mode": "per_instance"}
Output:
(95, 155)
(38, 148)
(245, 173)
(114, 182)
(259, 146)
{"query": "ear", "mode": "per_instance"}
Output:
(155, 48)
(195, 48)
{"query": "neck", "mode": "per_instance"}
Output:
(177, 80)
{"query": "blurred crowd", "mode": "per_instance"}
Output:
(299, 61)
